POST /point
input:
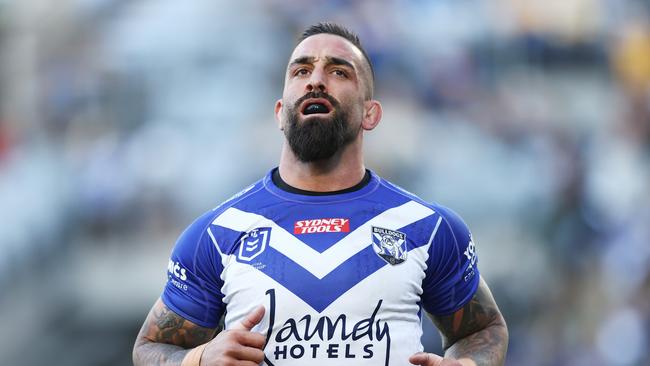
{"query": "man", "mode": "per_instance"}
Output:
(322, 262)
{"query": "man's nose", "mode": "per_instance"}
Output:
(316, 81)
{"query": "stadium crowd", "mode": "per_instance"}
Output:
(120, 121)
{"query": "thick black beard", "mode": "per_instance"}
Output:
(318, 138)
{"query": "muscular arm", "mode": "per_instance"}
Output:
(477, 331)
(166, 337)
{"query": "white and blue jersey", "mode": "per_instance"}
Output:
(344, 277)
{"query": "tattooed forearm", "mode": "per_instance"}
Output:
(167, 327)
(487, 347)
(476, 331)
(165, 338)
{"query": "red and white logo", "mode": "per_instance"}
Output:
(322, 226)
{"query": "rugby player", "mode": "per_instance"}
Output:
(322, 262)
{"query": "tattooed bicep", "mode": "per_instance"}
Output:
(476, 315)
(164, 326)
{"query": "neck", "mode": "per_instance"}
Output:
(341, 171)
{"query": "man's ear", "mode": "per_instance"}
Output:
(372, 114)
(278, 113)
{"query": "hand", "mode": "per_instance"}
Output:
(237, 346)
(430, 359)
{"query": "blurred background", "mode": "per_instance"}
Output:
(122, 121)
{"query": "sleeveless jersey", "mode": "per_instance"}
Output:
(343, 277)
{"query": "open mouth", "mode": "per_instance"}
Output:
(316, 106)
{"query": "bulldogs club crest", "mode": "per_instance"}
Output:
(390, 245)
(253, 243)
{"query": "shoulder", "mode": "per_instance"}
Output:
(397, 190)
(447, 217)
(245, 194)
(445, 212)
(451, 218)
(199, 231)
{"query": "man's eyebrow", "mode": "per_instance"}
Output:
(305, 60)
(340, 61)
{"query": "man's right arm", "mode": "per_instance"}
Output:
(165, 338)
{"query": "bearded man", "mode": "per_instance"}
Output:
(295, 264)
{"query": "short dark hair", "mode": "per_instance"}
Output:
(338, 30)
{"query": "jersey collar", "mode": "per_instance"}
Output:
(368, 184)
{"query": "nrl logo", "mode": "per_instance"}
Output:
(253, 243)
(390, 245)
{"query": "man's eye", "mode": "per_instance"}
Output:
(340, 73)
(301, 72)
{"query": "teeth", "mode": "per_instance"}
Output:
(316, 108)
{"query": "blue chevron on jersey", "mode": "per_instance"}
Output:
(320, 264)
(325, 267)
(319, 293)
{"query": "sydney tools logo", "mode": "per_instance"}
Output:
(321, 226)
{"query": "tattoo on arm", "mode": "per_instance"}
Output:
(166, 336)
(476, 331)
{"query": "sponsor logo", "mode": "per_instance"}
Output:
(175, 269)
(253, 243)
(326, 337)
(390, 245)
(322, 226)
(470, 254)
(175, 273)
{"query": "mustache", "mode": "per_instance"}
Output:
(314, 95)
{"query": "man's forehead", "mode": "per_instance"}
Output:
(322, 46)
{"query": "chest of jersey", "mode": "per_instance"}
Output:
(334, 289)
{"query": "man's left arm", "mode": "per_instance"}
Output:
(476, 334)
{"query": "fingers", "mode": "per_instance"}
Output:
(251, 339)
(235, 347)
(425, 359)
(251, 354)
(252, 319)
(238, 345)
